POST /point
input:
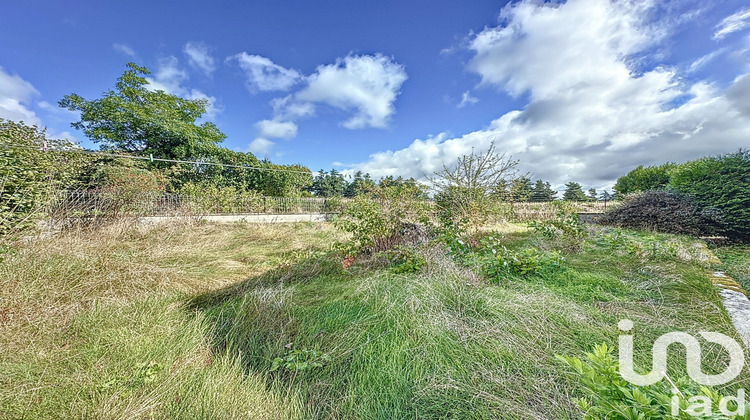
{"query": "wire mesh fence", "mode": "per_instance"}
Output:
(102, 204)
(93, 203)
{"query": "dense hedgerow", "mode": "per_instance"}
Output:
(664, 211)
(644, 179)
(33, 168)
(723, 183)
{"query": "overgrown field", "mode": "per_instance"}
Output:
(264, 322)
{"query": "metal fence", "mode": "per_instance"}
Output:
(103, 204)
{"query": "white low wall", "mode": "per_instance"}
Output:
(246, 218)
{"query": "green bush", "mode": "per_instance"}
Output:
(207, 198)
(405, 260)
(128, 180)
(30, 177)
(463, 208)
(722, 183)
(663, 211)
(644, 179)
(495, 261)
(566, 226)
(526, 262)
(391, 217)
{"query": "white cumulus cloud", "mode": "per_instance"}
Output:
(169, 77)
(591, 116)
(263, 74)
(200, 57)
(276, 129)
(290, 108)
(16, 95)
(366, 85)
(260, 146)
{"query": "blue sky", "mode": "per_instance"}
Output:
(582, 90)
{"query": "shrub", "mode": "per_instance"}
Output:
(663, 211)
(722, 183)
(119, 187)
(462, 208)
(496, 261)
(526, 262)
(127, 180)
(29, 175)
(644, 179)
(567, 226)
(464, 189)
(390, 218)
(405, 260)
(206, 198)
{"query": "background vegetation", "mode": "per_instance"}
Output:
(717, 187)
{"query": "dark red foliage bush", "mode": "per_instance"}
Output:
(664, 211)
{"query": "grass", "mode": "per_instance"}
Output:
(185, 322)
(736, 262)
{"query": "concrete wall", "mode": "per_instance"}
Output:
(245, 218)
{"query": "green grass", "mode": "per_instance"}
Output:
(185, 322)
(736, 262)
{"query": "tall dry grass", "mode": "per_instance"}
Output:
(95, 324)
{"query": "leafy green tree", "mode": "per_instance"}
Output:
(722, 183)
(606, 196)
(521, 189)
(137, 120)
(574, 192)
(361, 184)
(591, 194)
(270, 179)
(543, 192)
(221, 176)
(644, 179)
(328, 184)
(282, 181)
(401, 184)
(29, 175)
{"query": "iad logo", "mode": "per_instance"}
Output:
(700, 405)
(693, 353)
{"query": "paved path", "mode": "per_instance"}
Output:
(736, 303)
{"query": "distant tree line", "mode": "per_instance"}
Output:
(522, 189)
(335, 184)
